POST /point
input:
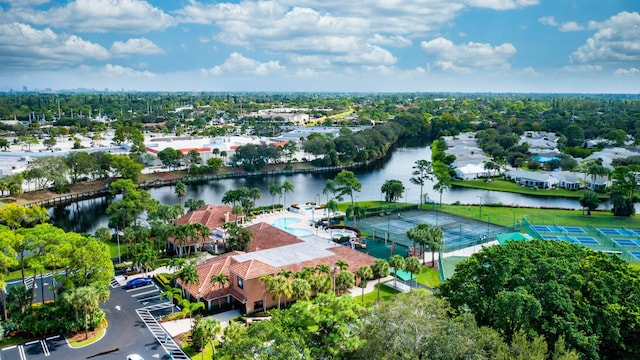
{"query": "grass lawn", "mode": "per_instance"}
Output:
(385, 294)
(508, 186)
(428, 276)
(506, 216)
(207, 352)
(93, 337)
(14, 340)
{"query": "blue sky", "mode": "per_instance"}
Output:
(551, 46)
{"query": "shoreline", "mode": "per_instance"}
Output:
(509, 187)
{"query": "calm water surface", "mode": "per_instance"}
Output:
(88, 215)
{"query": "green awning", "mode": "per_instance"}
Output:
(403, 275)
(514, 236)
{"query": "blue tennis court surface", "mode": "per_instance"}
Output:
(559, 229)
(636, 254)
(626, 242)
(626, 232)
(584, 240)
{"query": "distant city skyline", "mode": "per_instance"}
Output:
(527, 46)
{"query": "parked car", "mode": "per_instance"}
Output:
(134, 357)
(134, 283)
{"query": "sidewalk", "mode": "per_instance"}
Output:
(177, 327)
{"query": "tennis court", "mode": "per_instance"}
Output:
(626, 232)
(623, 239)
(626, 242)
(459, 232)
(559, 229)
(584, 240)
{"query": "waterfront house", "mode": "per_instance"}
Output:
(540, 180)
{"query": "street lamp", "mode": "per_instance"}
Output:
(480, 216)
(406, 195)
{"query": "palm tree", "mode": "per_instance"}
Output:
(329, 188)
(436, 242)
(420, 234)
(413, 266)
(357, 211)
(332, 207)
(300, 289)
(194, 204)
(397, 263)
(188, 308)
(267, 285)
(287, 187)
(189, 276)
(221, 280)
(176, 264)
(380, 269)
(172, 293)
(342, 265)
(210, 328)
(180, 190)
(364, 273)
(274, 189)
(281, 286)
(254, 194)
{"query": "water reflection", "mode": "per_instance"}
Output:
(86, 216)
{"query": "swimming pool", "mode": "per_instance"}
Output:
(299, 232)
(283, 223)
(545, 159)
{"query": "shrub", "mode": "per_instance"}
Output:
(163, 279)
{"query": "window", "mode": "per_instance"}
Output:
(258, 305)
(240, 282)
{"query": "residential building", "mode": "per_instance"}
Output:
(271, 251)
(540, 180)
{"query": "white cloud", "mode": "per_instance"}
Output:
(24, 3)
(570, 26)
(394, 40)
(548, 20)
(616, 41)
(121, 71)
(627, 72)
(469, 56)
(502, 4)
(22, 46)
(237, 64)
(139, 46)
(131, 16)
(583, 68)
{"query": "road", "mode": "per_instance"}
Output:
(126, 333)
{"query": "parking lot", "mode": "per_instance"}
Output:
(133, 329)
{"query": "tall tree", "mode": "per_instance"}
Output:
(397, 263)
(219, 280)
(346, 183)
(274, 189)
(422, 172)
(364, 273)
(287, 187)
(189, 276)
(392, 190)
(380, 269)
(589, 200)
(413, 266)
(508, 288)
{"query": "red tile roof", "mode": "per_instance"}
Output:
(268, 237)
(252, 269)
(213, 266)
(209, 215)
(354, 258)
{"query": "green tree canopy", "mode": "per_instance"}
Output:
(552, 289)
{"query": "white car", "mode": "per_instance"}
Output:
(134, 357)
